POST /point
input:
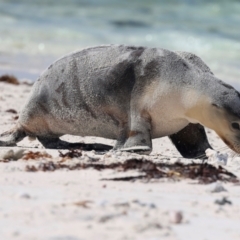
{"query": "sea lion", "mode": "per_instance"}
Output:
(131, 94)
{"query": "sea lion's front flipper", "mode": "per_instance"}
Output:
(191, 141)
(139, 137)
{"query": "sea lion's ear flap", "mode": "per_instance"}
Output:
(215, 105)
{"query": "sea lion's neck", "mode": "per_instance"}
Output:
(199, 112)
(200, 105)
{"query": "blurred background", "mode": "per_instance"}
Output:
(33, 33)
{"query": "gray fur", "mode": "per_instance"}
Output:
(119, 92)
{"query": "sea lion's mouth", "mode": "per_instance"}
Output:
(229, 144)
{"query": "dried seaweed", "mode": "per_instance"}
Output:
(9, 79)
(223, 201)
(36, 155)
(84, 203)
(4, 160)
(15, 118)
(203, 172)
(11, 111)
(73, 153)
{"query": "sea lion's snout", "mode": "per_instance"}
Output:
(223, 118)
(230, 144)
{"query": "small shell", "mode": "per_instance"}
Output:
(7, 154)
(176, 217)
(216, 187)
(18, 154)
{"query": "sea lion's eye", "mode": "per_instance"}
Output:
(235, 126)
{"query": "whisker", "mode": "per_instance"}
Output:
(217, 150)
(200, 156)
(222, 148)
(232, 154)
(235, 155)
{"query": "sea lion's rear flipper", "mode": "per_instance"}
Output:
(56, 143)
(191, 141)
(10, 138)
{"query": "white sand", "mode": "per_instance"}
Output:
(71, 205)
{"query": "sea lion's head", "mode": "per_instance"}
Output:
(227, 124)
(219, 109)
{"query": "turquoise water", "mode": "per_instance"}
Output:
(33, 33)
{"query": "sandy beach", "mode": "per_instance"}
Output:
(75, 195)
(55, 197)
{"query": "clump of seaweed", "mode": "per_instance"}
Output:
(73, 153)
(203, 172)
(11, 111)
(36, 155)
(9, 79)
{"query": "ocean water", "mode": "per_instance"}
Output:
(33, 33)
